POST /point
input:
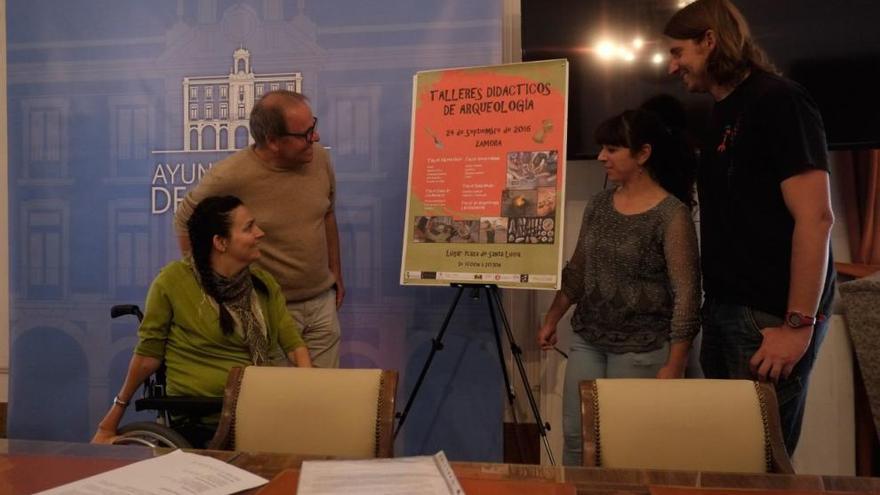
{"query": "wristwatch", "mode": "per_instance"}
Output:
(796, 319)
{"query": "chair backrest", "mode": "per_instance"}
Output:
(335, 412)
(700, 425)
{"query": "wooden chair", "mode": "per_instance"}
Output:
(335, 412)
(699, 425)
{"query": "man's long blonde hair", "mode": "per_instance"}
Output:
(735, 53)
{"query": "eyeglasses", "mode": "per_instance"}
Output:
(308, 135)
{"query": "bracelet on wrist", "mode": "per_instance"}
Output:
(119, 402)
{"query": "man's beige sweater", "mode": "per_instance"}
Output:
(289, 205)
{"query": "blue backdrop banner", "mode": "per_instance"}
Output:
(117, 108)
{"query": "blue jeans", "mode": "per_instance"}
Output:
(586, 362)
(732, 335)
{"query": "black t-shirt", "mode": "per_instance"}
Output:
(767, 130)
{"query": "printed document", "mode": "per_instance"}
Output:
(421, 475)
(175, 473)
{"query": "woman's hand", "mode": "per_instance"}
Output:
(139, 369)
(299, 357)
(677, 361)
(104, 436)
(671, 370)
(547, 336)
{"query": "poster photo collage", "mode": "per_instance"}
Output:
(528, 208)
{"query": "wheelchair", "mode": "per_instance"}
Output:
(160, 433)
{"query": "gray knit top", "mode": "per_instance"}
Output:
(635, 278)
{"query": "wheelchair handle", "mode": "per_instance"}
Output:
(126, 309)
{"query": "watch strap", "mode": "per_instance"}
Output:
(796, 319)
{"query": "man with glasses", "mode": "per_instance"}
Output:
(287, 181)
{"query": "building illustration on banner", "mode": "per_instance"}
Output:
(216, 111)
(216, 108)
(109, 125)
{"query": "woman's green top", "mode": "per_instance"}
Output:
(182, 327)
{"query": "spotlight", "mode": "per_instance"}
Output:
(657, 59)
(638, 43)
(605, 49)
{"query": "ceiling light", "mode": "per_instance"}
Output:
(605, 49)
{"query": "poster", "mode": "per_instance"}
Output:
(485, 198)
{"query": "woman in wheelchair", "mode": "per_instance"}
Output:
(207, 313)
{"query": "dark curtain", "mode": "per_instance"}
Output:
(859, 176)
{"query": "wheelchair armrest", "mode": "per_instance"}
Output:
(181, 405)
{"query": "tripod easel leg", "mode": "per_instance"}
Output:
(517, 357)
(511, 395)
(436, 345)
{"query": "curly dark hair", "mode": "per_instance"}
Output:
(672, 162)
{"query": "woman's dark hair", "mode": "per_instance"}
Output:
(212, 216)
(672, 162)
(669, 108)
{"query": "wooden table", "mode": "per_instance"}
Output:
(29, 466)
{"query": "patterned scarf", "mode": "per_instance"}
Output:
(236, 292)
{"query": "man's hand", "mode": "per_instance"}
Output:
(340, 293)
(547, 337)
(782, 348)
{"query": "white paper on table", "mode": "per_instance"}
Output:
(421, 475)
(177, 472)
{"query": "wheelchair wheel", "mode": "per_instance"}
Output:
(150, 434)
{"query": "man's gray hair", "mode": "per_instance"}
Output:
(267, 116)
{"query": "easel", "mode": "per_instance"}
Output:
(493, 299)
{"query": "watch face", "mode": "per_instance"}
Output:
(794, 320)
